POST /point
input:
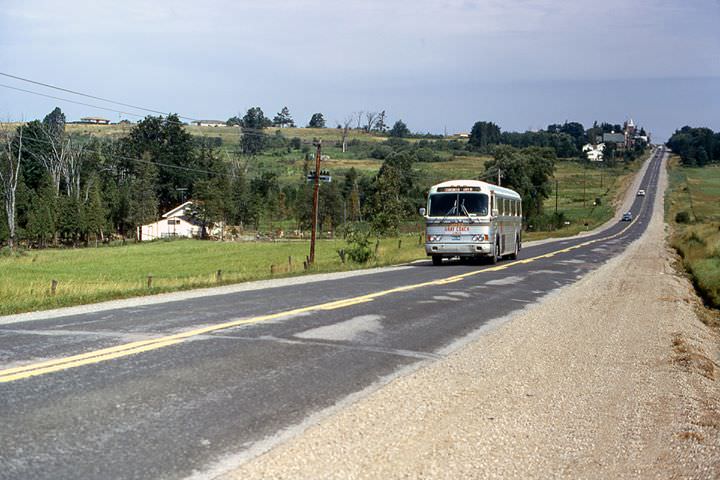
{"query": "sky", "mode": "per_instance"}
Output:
(437, 65)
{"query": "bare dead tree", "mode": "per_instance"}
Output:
(370, 120)
(72, 167)
(345, 129)
(55, 158)
(9, 173)
(359, 119)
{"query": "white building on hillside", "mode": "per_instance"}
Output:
(594, 152)
(172, 224)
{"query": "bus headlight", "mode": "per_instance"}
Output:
(480, 238)
(433, 238)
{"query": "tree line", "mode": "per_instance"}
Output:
(63, 189)
(565, 139)
(697, 147)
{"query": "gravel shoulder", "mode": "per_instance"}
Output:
(614, 376)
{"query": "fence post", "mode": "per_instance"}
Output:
(290, 263)
(53, 287)
(149, 281)
(218, 276)
(399, 243)
(272, 269)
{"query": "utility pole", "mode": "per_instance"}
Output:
(316, 192)
(556, 195)
(584, 189)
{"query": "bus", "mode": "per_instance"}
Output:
(472, 219)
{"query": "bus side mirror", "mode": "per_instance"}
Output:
(495, 212)
(422, 211)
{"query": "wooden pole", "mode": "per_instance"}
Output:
(53, 287)
(316, 192)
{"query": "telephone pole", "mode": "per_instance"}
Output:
(556, 196)
(316, 192)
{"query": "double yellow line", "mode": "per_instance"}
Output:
(102, 355)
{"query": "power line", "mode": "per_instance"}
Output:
(244, 130)
(47, 85)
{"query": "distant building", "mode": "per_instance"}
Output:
(174, 223)
(617, 138)
(594, 153)
(209, 123)
(95, 120)
(462, 135)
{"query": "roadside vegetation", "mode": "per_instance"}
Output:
(74, 195)
(693, 211)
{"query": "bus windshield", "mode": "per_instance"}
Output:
(458, 204)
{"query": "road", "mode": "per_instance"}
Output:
(168, 390)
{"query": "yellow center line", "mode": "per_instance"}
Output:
(132, 348)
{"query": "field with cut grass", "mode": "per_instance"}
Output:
(693, 210)
(95, 274)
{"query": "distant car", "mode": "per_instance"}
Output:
(641, 193)
(627, 217)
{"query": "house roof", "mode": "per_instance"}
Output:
(210, 121)
(614, 137)
(176, 210)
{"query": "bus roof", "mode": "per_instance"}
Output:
(484, 187)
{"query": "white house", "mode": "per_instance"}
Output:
(172, 224)
(209, 123)
(594, 152)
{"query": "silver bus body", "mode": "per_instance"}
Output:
(469, 218)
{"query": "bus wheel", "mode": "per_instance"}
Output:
(437, 260)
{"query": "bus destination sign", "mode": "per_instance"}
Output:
(458, 189)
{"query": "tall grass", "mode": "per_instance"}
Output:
(692, 208)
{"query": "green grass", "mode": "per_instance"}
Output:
(697, 192)
(95, 274)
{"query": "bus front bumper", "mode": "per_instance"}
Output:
(458, 249)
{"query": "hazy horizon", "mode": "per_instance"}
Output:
(522, 64)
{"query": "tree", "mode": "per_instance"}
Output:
(370, 120)
(528, 171)
(316, 121)
(54, 122)
(95, 211)
(484, 134)
(42, 217)
(385, 210)
(253, 138)
(283, 119)
(165, 143)
(345, 129)
(143, 201)
(380, 124)
(399, 130)
(10, 158)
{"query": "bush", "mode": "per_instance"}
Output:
(381, 152)
(357, 235)
(682, 217)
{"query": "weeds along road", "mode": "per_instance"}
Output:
(172, 389)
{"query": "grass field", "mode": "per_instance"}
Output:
(95, 274)
(696, 238)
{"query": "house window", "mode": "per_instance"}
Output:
(173, 222)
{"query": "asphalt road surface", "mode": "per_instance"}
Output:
(169, 390)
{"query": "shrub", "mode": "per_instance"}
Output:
(682, 217)
(357, 235)
(381, 152)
